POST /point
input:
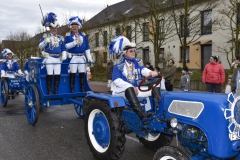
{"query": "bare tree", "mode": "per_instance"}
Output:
(230, 23)
(160, 27)
(19, 43)
(189, 17)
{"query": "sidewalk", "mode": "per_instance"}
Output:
(98, 86)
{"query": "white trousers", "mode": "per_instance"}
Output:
(9, 75)
(53, 68)
(80, 67)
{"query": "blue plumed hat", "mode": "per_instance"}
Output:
(75, 20)
(6, 51)
(120, 44)
(50, 20)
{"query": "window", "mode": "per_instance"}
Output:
(117, 31)
(129, 33)
(182, 25)
(187, 54)
(145, 32)
(161, 29)
(105, 38)
(97, 57)
(104, 57)
(97, 39)
(206, 22)
(145, 55)
(161, 54)
(238, 14)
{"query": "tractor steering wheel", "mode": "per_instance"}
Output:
(150, 82)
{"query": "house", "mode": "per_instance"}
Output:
(202, 25)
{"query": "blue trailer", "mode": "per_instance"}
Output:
(36, 91)
(9, 87)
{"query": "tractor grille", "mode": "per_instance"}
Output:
(186, 108)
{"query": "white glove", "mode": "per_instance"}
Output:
(89, 60)
(45, 54)
(69, 55)
(63, 58)
(26, 72)
(75, 42)
(19, 71)
(3, 73)
(47, 40)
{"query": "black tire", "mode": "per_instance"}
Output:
(170, 153)
(154, 141)
(108, 126)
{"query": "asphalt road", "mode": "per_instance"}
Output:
(58, 134)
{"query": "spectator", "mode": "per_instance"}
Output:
(236, 61)
(109, 73)
(236, 68)
(157, 69)
(168, 74)
(228, 87)
(149, 66)
(89, 74)
(185, 80)
(213, 75)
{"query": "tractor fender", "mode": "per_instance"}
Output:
(113, 101)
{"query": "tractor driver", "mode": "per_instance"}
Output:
(126, 74)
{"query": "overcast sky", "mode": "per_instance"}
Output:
(25, 15)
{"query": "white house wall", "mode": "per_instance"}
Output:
(218, 38)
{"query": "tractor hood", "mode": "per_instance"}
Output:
(216, 114)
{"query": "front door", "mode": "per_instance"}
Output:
(206, 54)
(145, 56)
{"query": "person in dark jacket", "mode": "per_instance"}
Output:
(185, 80)
(109, 73)
(168, 74)
(157, 69)
(236, 68)
(149, 66)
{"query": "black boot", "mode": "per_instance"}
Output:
(133, 100)
(72, 81)
(56, 83)
(81, 80)
(49, 83)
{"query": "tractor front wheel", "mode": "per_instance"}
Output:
(104, 131)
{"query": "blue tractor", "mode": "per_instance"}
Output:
(207, 125)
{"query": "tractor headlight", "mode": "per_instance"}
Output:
(172, 122)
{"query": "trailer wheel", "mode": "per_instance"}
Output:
(79, 110)
(32, 104)
(155, 140)
(104, 131)
(4, 92)
(170, 153)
